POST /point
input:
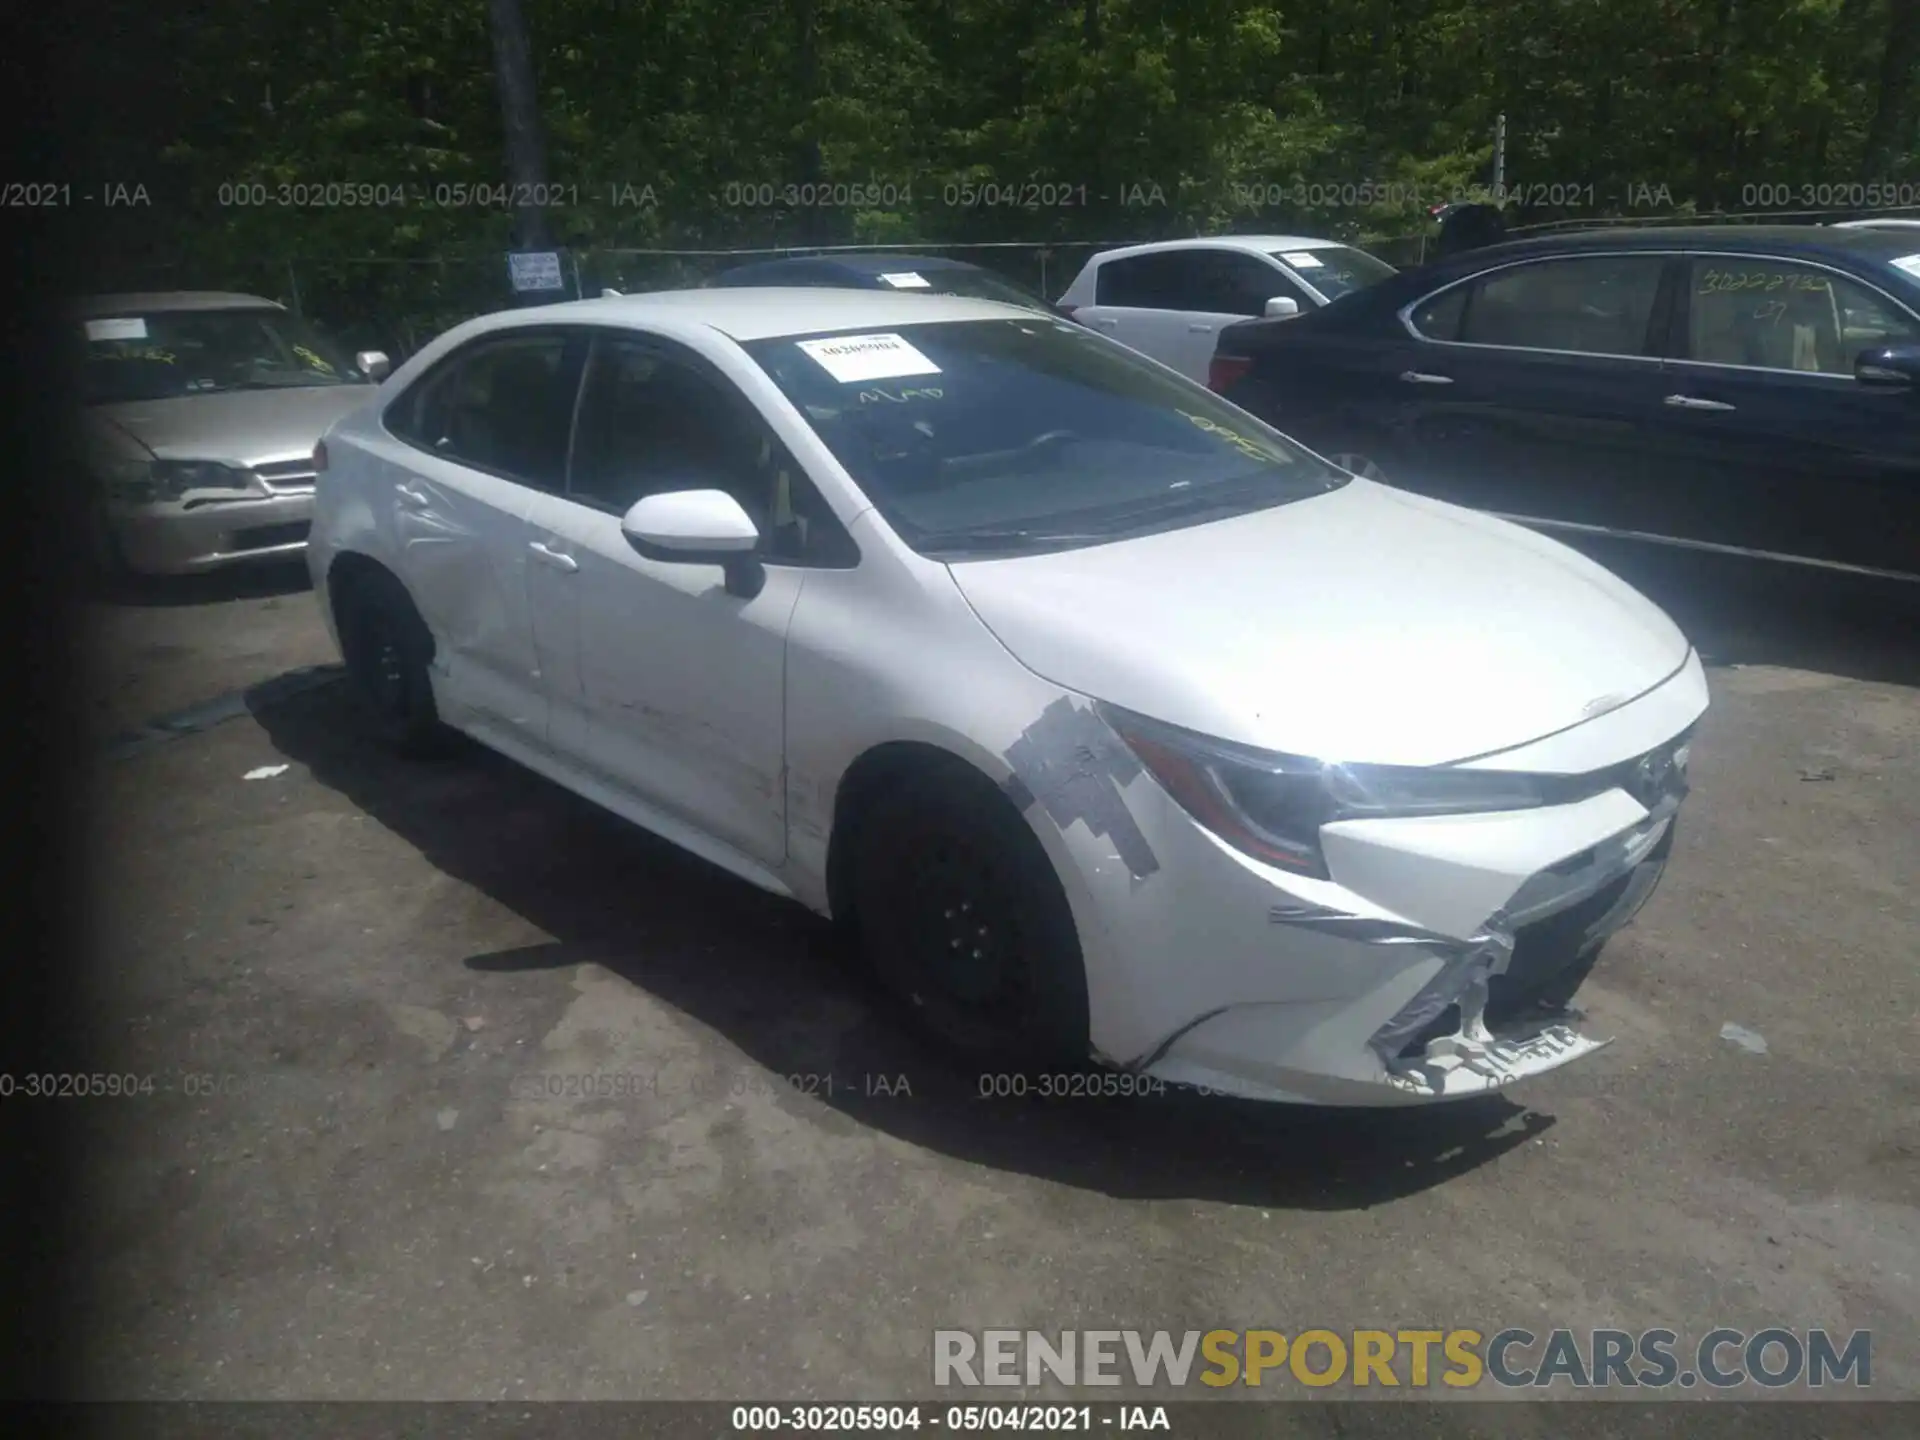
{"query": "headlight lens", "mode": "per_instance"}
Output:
(150, 482)
(174, 478)
(1272, 806)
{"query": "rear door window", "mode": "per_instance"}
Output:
(503, 405)
(1785, 315)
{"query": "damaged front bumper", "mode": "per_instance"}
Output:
(1483, 1012)
(175, 538)
(1438, 960)
(1461, 1035)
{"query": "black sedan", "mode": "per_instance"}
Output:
(1745, 389)
(910, 274)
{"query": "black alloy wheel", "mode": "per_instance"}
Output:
(963, 919)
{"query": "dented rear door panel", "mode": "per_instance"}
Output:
(460, 546)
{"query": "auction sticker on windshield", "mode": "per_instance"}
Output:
(1909, 263)
(906, 280)
(1302, 260)
(133, 329)
(852, 358)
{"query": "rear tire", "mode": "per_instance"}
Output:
(387, 648)
(961, 916)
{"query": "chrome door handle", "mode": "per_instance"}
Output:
(412, 498)
(1688, 402)
(1420, 377)
(1199, 329)
(554, 558)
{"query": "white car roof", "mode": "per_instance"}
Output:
(1261, 244)
(754, 313)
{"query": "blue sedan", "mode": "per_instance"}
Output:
(1745, 389)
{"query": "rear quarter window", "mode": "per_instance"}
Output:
(1438, 316)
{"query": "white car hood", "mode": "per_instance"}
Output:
(1362, 625)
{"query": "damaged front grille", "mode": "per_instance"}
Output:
(1660, 774)
(287, 476)
(1550, 962)
(1513, 976)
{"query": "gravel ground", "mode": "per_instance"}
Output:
(348, 977)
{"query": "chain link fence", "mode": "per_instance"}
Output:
(398, 304)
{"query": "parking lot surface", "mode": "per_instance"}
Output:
(366, 992)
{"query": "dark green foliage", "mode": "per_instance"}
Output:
(1129, 119)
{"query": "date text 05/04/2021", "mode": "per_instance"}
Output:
(988, 1419)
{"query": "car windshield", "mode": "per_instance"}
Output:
(974, 284)
(998, 437)
(165, 353)
(1336, 270)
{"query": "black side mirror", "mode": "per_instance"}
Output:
(1889, 367)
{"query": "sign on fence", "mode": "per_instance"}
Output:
(535, 270)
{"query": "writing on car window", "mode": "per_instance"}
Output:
(1252, 449)
(873, 397)
(1718, 282)
(138, 352)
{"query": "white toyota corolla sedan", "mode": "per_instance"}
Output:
(1115, 725)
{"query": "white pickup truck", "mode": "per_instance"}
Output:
(1170, 299)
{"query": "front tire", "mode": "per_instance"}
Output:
(387, 648)
(961, 916)
(106, 560)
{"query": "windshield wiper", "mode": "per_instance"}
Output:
(1223, 496)
(292, 382)
(971, 541)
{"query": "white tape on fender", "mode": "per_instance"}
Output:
(852, 358)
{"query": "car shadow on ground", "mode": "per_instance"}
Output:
(777, 982)
(259, 581)
(1751, 612)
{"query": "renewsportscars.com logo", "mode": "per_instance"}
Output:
(1721, 1359)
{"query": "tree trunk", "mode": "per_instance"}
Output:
(1899, 57)
(520, 118)
(808, 156)
(1710, 144)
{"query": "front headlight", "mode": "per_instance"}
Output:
(1272, 806)
(150, 482)
(174, 478)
